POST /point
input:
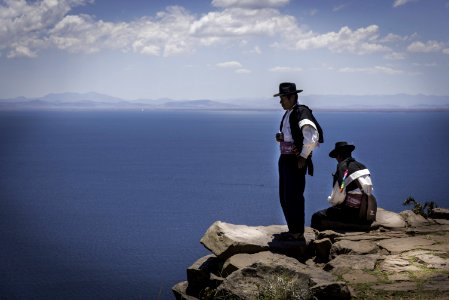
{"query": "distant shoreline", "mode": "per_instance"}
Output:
(138, 109)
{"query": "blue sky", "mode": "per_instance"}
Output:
(223, 49)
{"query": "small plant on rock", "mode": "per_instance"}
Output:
(280, 287)
(420, 209)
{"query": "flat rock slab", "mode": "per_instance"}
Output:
(405, 286)
(358, 276)
(433, 261)
(226, 240)
(428, 229)
(439, 282)
(243, 260)
(346, 263)
(440, 213)
(398, 245)
(396, 264)
(353, 247)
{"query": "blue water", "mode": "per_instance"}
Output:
(112, 205)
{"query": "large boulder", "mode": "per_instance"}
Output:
(225, 240)
(413, 219)
(282, 276)
(389, 219)
(180, 291)
(199, 274)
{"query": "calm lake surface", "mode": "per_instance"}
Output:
(112, 205)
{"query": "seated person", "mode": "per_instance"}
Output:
(351, 182)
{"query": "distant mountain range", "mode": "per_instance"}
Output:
(96, 101)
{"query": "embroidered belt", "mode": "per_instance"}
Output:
(353, 200)
(287, 147)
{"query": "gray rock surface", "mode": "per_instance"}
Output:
(413, 219)
(285, 276)
(323, 249)
(440, 213)
(398, 245)
(226, 240)
(353, 247)
(345, 263)
(243, 260)
(179, 290)
(389, 219)
(199, 274)
(408, 256)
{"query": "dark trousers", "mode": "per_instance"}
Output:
(292, 182)
(340, 213)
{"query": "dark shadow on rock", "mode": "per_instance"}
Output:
(297, 248)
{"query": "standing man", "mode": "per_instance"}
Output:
(299, 134)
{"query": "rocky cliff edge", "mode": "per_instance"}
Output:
(401, 256)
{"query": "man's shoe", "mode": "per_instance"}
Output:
(288, 236)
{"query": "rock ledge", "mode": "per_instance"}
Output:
(402, 255)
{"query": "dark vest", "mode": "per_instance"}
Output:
(299, 113)
(352, 166)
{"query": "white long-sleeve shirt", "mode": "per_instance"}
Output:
(338, 197)
(309, 131)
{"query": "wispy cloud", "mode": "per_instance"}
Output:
(360, 41)
(313, 12)
(427, 47)
(242, 71)
(396, 56)
(249, 3)
(338, 7)
(372, 70)
(229, 65)
(285, 70)
(398, 3)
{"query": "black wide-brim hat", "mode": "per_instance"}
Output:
(341, 147)
(287, 88)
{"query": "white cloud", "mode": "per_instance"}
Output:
(371, 70)
(427, 47)
(229, 65)
(243, 71)
(21, 51)
(391, 37)
(339, 7)
(28, 27)
(166, 34)
(249, 3)
(24, 25)
(360, 41)
(398, 3)
(285, 69)
(428, 65)
(313, 12)
(256, 50)
(396, 56)
(238, 22)
(446, 51)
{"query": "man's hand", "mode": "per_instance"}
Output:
(301, 162)
(279, 137)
